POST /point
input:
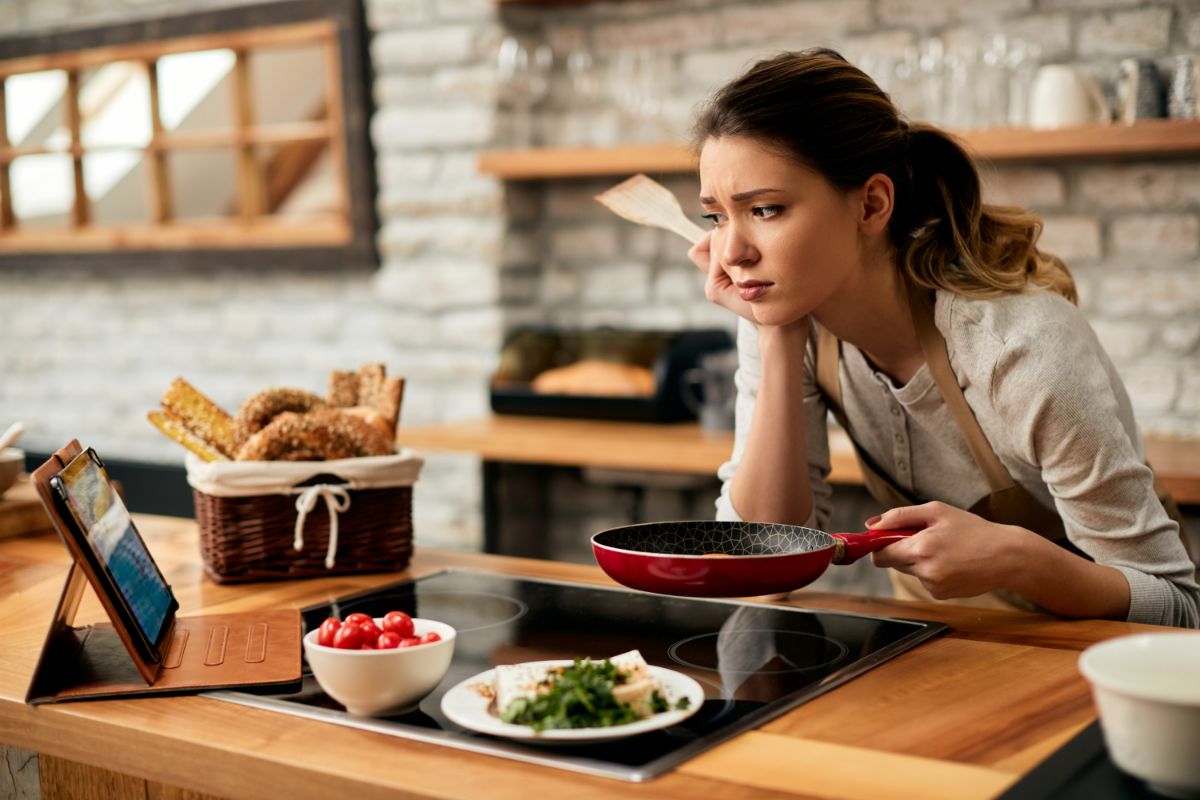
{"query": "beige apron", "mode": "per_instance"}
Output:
(1008, 503)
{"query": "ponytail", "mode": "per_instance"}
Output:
(947, 238)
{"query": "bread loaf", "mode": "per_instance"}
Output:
(598, 378)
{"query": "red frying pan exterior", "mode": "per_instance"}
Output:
(705, 558)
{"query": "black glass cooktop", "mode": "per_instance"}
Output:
(754, 661)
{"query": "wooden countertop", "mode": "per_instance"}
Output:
(684, 447)
(963, 716)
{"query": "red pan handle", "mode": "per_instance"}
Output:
(850, 547)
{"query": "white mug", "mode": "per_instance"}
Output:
(1063, 96)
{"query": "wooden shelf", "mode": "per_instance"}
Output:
(1149, 138)
(576, 162)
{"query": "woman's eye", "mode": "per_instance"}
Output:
(766, 212)
(715, 218)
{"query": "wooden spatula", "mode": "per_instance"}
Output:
(647, 202)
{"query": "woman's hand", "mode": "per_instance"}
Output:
(718, 287)
(956, 554)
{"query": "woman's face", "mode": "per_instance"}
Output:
(785, 236)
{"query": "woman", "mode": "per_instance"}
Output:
(873, 282)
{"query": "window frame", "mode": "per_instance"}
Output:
(246, 239)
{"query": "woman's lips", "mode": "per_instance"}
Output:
(752, 290)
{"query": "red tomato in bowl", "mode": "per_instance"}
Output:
(357, 618)
(327, 630)
(388, 640)
(399, 623)
(370, 632)
(432, 636)
(410, 641)
(348, 637)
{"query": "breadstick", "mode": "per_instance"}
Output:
(204, 418)
(343, 388)
(389, 401)
(175, 429)
(370, 384)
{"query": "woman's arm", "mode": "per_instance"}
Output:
(958, 554)
(772, 483)
(775, 474)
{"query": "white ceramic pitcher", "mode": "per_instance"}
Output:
(1063, 96)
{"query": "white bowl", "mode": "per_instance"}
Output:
(376, 681)
(1147, 689)
(12, 464)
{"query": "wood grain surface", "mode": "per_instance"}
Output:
(963, 716)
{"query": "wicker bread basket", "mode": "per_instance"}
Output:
(280, 520)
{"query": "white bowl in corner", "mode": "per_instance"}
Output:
(1147, 690)
(12, 464)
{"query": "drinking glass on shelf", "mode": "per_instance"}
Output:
(524, 71)
(991, 80)
(597, 123)
(932, 65)
(638, 83)
(958, 109)
(1021, 62)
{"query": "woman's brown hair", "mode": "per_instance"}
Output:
(833, 118)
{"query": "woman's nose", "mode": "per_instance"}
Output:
(737, 250)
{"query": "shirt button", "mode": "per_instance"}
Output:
(899, 438)
(903, 467)
(895, 411)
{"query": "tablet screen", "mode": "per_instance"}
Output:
(116, 543)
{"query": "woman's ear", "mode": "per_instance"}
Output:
(878, 197)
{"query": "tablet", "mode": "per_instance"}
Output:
(98, 522)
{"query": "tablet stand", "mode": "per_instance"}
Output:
(249, 651)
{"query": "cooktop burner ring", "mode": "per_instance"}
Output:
(759, 638)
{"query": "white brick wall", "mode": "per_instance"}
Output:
(1125, 33)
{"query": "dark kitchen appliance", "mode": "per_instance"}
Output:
(1080, 770)
(755, 661)
(667, 355)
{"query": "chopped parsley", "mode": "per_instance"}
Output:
(579, 696)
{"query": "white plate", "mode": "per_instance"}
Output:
(467, 706)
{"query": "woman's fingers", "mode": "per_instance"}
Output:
(918, 517)
(701, 253)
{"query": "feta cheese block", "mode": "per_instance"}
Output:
(516, 682)
(639, 686)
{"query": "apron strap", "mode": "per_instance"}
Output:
(878, 482)
(933, 346)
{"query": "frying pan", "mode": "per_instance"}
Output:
(705, 558)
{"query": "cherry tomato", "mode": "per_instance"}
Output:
(398, 622)
(367, 646)
(432, 636)
(348, 637)
(388, 640)
(357, 619)
(328, 628)
(410, 641)
(370, 632)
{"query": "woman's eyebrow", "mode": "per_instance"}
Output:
(740, 196)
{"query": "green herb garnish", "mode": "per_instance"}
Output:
(580, 696)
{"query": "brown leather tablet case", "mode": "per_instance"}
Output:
(250, 651)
